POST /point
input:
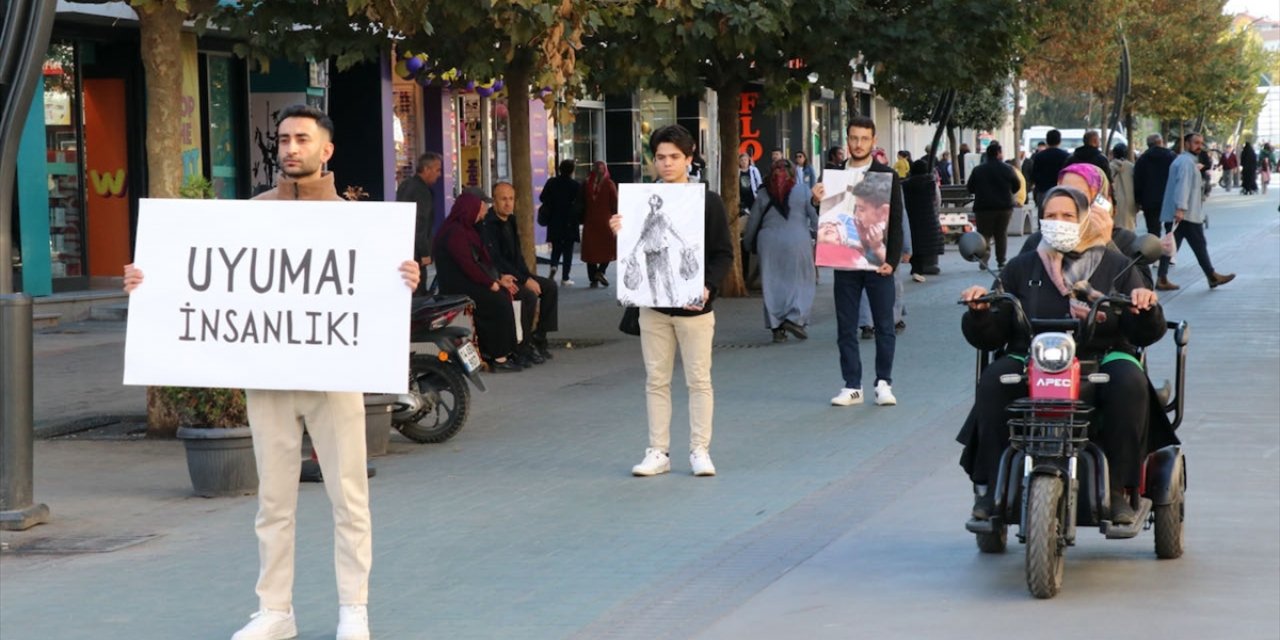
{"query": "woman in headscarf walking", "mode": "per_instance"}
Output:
(920, 197)
(781, 230)
(598, 245)
(1248, 170)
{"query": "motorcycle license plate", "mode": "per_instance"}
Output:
(470, 357)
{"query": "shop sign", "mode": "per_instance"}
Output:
(271, 294)
(749, 135)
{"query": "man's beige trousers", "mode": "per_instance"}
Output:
(335, 421)
(660, 336)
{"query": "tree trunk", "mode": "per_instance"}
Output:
(1017, 116)
(160, 24)
(517, 82)
(727, 106)
(161, 30)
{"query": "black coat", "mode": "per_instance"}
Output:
(918, 193)
(502, 240)
(560, 195)
(1045, 167)
(1026, 279)
(1090, 155)
(1150, 176)
(414, 189)
(993, 185)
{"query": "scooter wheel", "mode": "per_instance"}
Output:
(1168, 526)
(994, 542)
(1045, 554)
(446, 401)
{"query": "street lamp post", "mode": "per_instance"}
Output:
(24, 36)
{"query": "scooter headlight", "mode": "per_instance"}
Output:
(1053, 352)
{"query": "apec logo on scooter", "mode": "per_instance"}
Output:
(1054, 382)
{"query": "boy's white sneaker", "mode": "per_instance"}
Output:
(269, 624)
(353, 622)
(700, 461)
(655, 461)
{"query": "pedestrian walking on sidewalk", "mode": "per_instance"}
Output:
(335, 421)
(780, 230)
(689, 329)
(1183, 213)
(1150, 175)
(598, 246)
(993, 185)
(560, 195)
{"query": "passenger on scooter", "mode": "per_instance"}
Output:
(1093, 182)
(1130, 422)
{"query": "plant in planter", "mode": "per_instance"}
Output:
(212, 426)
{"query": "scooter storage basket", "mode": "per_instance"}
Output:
(1048, 428)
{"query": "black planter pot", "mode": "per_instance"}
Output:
(377, 422)
(220, 461)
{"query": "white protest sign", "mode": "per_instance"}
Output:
(271, 294)
(660, 245)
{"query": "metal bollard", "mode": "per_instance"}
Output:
(17, 397)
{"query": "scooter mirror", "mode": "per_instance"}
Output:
(1145, 249)
(973, 247)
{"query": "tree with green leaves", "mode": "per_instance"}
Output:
(681, 48)
(528, 43)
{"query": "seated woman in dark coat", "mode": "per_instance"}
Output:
(1074, 250)
(464, 267)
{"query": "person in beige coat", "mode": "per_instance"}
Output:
(1126, 211)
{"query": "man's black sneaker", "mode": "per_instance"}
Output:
(794, 329)
(779, 335)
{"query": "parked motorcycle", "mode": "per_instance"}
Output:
(1064, 476)
(439, 400)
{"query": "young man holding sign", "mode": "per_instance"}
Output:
(690, 328)
(877, 224)
(335, 421)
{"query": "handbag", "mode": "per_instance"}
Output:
(630, 323)
(1169, 243)
(544, 215)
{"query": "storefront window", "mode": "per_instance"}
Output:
(656, 111)
(583, 140)
(224, 144)
(406, 99)
(62, 154)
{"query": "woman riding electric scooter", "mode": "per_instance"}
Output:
(1073, 250)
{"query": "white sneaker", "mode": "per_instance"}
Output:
(353, 622)
(847, 397)
(566, 283)
(269, 624)
(917, 277)
(884, 394)
(655, 461)
(700, 460)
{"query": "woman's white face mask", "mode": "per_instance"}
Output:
(1062, 236)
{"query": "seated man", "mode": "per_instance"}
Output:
(1131, 421)
(538, 296)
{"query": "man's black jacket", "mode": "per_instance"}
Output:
(502, 240)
